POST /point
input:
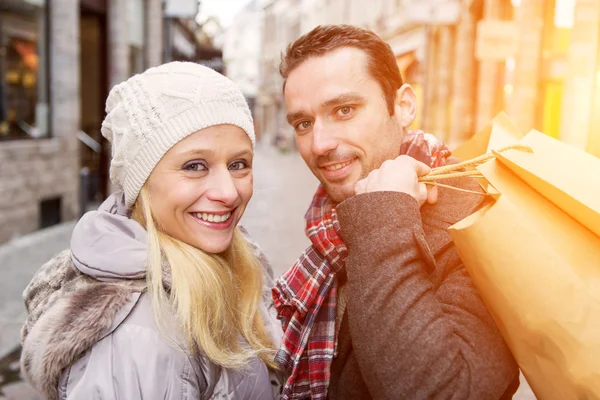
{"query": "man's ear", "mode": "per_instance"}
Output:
(405, 106)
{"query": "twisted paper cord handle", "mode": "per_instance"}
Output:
(458, 170)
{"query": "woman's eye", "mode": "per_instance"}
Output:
(194, 166)
(237, 165)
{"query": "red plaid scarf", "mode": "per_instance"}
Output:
(306, 295)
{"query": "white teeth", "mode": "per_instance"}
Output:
(337, 166)
(213, 217)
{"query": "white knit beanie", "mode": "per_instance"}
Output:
(150, 112)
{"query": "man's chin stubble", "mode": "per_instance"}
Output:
(339, 194)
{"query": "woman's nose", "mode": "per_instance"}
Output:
(222, 188)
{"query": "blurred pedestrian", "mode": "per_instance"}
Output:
(161, 295)
(380, 306)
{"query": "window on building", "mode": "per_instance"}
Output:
(50, 212)
(23, 69)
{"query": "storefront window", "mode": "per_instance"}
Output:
(23, 69)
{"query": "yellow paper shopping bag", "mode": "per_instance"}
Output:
(500, 132)
(534, 255)
(568, 177)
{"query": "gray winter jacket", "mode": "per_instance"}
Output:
(91, 332)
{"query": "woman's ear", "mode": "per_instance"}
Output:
(405, 106)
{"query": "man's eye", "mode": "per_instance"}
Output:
(346, 110)
(194, 166)
(303, 125)
(237, 165)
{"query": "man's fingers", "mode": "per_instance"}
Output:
(422, 194)
(404, 160)
(432, 194)
(421, 169)
(399, 175)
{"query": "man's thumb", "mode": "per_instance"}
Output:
(422, 169)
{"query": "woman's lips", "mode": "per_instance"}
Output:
(216, 220)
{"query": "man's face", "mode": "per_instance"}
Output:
(340, 116)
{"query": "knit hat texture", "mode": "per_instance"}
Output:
(150, 112)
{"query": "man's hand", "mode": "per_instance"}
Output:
(399, 175)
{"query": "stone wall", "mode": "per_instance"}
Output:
(32, 171)
(118, 62)
(154, 33)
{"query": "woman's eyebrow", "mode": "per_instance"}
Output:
(207, 153)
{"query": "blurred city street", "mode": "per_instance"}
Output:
(283, 189)
(466, 60)
(19, 259)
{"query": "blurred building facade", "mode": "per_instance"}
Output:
(58, 61)
(242, 46)
(39, 115)
(538, 60)
(282, 24)
(186, 40)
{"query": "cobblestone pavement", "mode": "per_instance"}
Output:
(283, 190)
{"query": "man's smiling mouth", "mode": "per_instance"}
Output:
(335, 167)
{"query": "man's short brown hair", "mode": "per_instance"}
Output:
(326, 38)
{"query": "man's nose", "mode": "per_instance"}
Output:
(324, 140)
(222, 187)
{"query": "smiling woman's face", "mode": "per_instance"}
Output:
(201, 187)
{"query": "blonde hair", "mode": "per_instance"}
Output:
(215, 298)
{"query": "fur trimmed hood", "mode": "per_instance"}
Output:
(70, 321)
(109, 246)
(73, 300)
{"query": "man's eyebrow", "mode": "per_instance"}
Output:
(351, 97)
(291, 117)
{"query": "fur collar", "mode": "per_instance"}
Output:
(68, 312)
